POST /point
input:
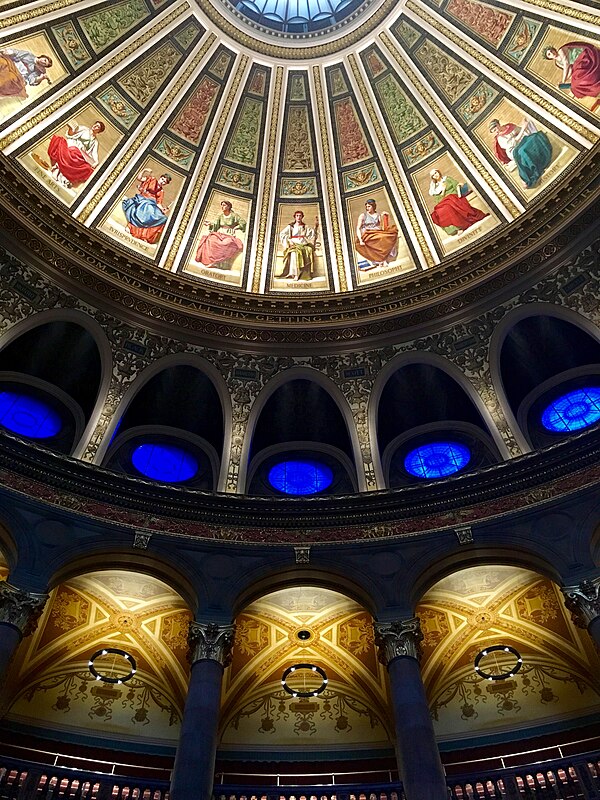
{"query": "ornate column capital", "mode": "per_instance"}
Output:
(583, 601)
(400, 638)
(19, 608)
(210, 641)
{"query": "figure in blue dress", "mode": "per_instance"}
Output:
(146, 213)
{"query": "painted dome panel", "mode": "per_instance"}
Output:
(307, 169)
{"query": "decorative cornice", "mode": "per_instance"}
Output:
(39, 475)
(20, 609)
(211, 642)
(399, 638)
(583, 601)
(239, 33)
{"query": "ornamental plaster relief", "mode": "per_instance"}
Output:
(575, 287)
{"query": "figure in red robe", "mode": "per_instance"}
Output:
(453, 212)
(580, 65)
(74, 157)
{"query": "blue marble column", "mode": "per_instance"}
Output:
(193, 772)
(418, 757)
(19, 613)
(583, 601)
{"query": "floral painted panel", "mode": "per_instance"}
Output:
(106, 26)
(149, 76)
(489, 22)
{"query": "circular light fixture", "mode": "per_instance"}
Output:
(501, 673)
(304, 692)
(573, 411)
(28, 416)
(115, 651)
(303, 635)
(300, 477)
(437, 459)
(164, 462)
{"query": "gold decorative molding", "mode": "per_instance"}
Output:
(135, 144)
(335, 222)
(32, 13)
(566, 11)
(278, 52)
(208, 157)
(451, 127)
(85, 83)
(269, 166)
(461, 42)
(391, 164)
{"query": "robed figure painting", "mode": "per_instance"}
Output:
(522, 147)
(376, 239)
(452, 212)
(145, 212)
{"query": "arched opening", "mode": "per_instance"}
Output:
(172, 430)
(550, 372)
(429, 427)
(339, 723)
(58, 697)
(4, 569)
(301, 444)
(549, 698)
(50, 377)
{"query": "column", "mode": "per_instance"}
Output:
(583, 602)
(417, 753)
(19, 613)
(193, 773)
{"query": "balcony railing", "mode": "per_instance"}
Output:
(576, 778)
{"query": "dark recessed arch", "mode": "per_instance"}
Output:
(182, 401)
(420, 398)
(537, 354)
(305, 410)
(63, 359)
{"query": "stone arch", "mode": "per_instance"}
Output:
(498, 338)
(89, 324)
(454, 372)
(166, 362)
(310, 374)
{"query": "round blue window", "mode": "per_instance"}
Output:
(28, 416)
(437, 459)
(300, 477)
(164, 462)
(573, 411)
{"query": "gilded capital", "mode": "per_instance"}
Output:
(400, 638)
(211, 641)
(583, 601)
(19, 608)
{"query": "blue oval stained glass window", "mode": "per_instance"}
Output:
(28, 416)
(300, 477)
(164, 462)
(573, 411)
(437, 459)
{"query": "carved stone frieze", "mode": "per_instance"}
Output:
(24, 291)
(211, 642)
(399, 638)
(583, 601)
(20, 609)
